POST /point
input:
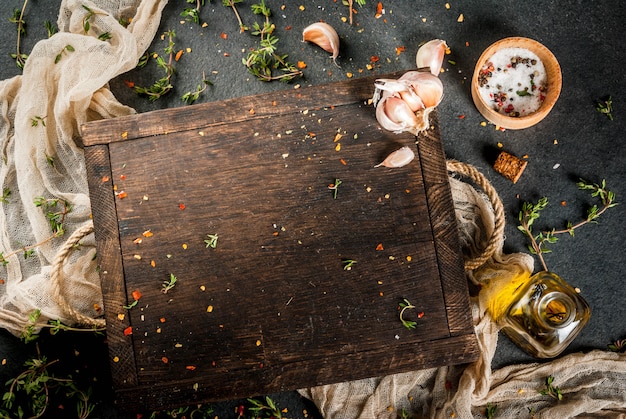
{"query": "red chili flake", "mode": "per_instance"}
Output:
(190, 367)
(312, 134)
(122, 195)
(241, 410)
(563, 203)
(374, 58)
(380, 247)
(181, 206)
(379, 10)
(301, 64)
(467, 43)
(399, 50)
(288, 27)
(420, 314)
(343, 162)
(226, 54)
(224, 35)
(128, 331)
(136, 295)
(2, 281)
(105, 179)
(461, 116)
(165, 360)
(130, 84)
(162, 319)
(122, 177)
(178, 55)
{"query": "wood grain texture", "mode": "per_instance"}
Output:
(271, 307)
(109, 254)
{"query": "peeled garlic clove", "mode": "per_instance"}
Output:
(430, 55)
(429, 88)
(393, 114)
(324, 36)
(398, 158)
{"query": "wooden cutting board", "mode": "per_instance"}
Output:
(275, 303)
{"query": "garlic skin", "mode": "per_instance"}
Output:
(430, 56)
(324, 36)
(398, 158)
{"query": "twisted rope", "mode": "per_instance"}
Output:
(57, 278)
(497, 236)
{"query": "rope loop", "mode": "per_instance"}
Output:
(57, 278)
(497, 236)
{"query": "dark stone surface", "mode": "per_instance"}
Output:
(587, 39)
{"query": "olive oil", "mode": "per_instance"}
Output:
(544, 315)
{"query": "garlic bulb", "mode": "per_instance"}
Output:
(398, 158)
(324, 36)
(404, 104)
(430, 56)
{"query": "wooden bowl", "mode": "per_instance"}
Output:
(553, 75)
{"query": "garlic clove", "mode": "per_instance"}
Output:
(430, 55)
(398, 158)
(429, 88)
(324, 36)
(393, 114)
(402, 89)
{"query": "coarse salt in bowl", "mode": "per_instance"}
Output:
(516, 83)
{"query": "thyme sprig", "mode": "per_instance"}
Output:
(28, 333)
(404, 306)
(618, 346)
(50, 28)
(6, 193)
(490, 410)
(168, 285)
(55, 217)
(18, 18)
(335, 187)
(231, 4)
(163, 85)
(551, 390)
(267, 408)
(191, 97)
(192, 14)
(348, 264)
(36, 120)
(211, 241)
(264, 62)
(59, 56)
(36, 386)
(531, 212)
(605, 106)
(350, 4)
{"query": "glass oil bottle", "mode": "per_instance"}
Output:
(542, 314)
